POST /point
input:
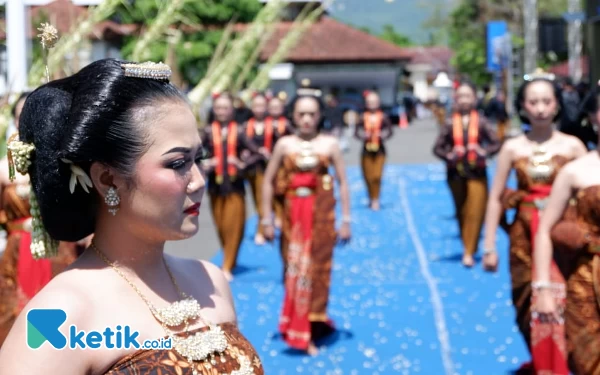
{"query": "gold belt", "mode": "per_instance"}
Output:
(301, 192)
(372, 147)
(13, 226)
(539, 204)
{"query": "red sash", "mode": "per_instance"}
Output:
(218, 149)
(294, 323)
(372, 125)
(548, 341)
(268, 131)
(281, 124)
(32, 274)
(472, 135)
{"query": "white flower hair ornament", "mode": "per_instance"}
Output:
(19, 157)
(78, 175)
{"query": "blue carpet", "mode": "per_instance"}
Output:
(400, 298)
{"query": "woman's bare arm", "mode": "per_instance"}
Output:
(494, 206)
(562, 190)
(269, 178)
(340, 172)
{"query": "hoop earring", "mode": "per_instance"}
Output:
(112, 200)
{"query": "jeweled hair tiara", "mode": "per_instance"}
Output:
(149, 69)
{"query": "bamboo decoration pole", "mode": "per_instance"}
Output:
(69, 42)
(221, 47)
(165, 18)
(238, 53)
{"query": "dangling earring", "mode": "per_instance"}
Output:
(112, 200)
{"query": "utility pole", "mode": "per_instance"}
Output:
(16, 45)
(575, 41)
(593, 38)
(530, 31)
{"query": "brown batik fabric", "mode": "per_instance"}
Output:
(578, 240)
(324, 235)
(169, 362)
(372, 167)
(520, 242)
(12, 297)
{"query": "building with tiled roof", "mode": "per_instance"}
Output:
(103, 41)
(332, 55)
(425, 64)
(336, 58)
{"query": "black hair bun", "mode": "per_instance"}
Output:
(44, 121)
(86, 118)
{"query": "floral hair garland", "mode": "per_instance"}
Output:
(19, 159)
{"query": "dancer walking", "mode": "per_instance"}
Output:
(308, 231)
(464, 144)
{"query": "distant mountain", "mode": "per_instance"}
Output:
(407, 16)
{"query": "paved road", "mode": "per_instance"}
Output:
(408, 146)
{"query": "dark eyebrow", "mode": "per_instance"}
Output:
(184, 150)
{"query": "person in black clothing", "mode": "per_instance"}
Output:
(334, 117)
(496, 110)
(588, 131)
(464, 144)
(373, 130)
(225, 140)
(570, 122)
(241, 112)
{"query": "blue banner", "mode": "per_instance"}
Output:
(496, 34)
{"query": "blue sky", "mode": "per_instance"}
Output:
(407, 16)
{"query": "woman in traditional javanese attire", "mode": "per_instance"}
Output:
(226, 141)
(116, 152)
(263, 132)
(373, 129)
(576, 242)
(464, 144)
(309, 221)
(537, 157)
(283, 127)
(22, 276)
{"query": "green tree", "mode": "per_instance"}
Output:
(466, 38)
(391, 35)
(202, 21)
(466, 30)
(437, 22)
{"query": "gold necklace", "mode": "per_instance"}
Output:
(201, 346)
(540, 167)
(307, 158)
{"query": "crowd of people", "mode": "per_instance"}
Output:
(552, 255)
(107, 165)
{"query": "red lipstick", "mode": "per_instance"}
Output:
(193, 210)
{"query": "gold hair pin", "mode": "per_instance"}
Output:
(149, 69)
(539, 73)
(49, 37)
(309, 92)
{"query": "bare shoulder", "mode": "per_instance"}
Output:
(216, 276)
(71, 305)
(207, 278)
(284, 141)
(511, 145)
(4, 171)
(65, 291)
(575, 144)
(589, 160)
(330, 140)
(515, 142)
